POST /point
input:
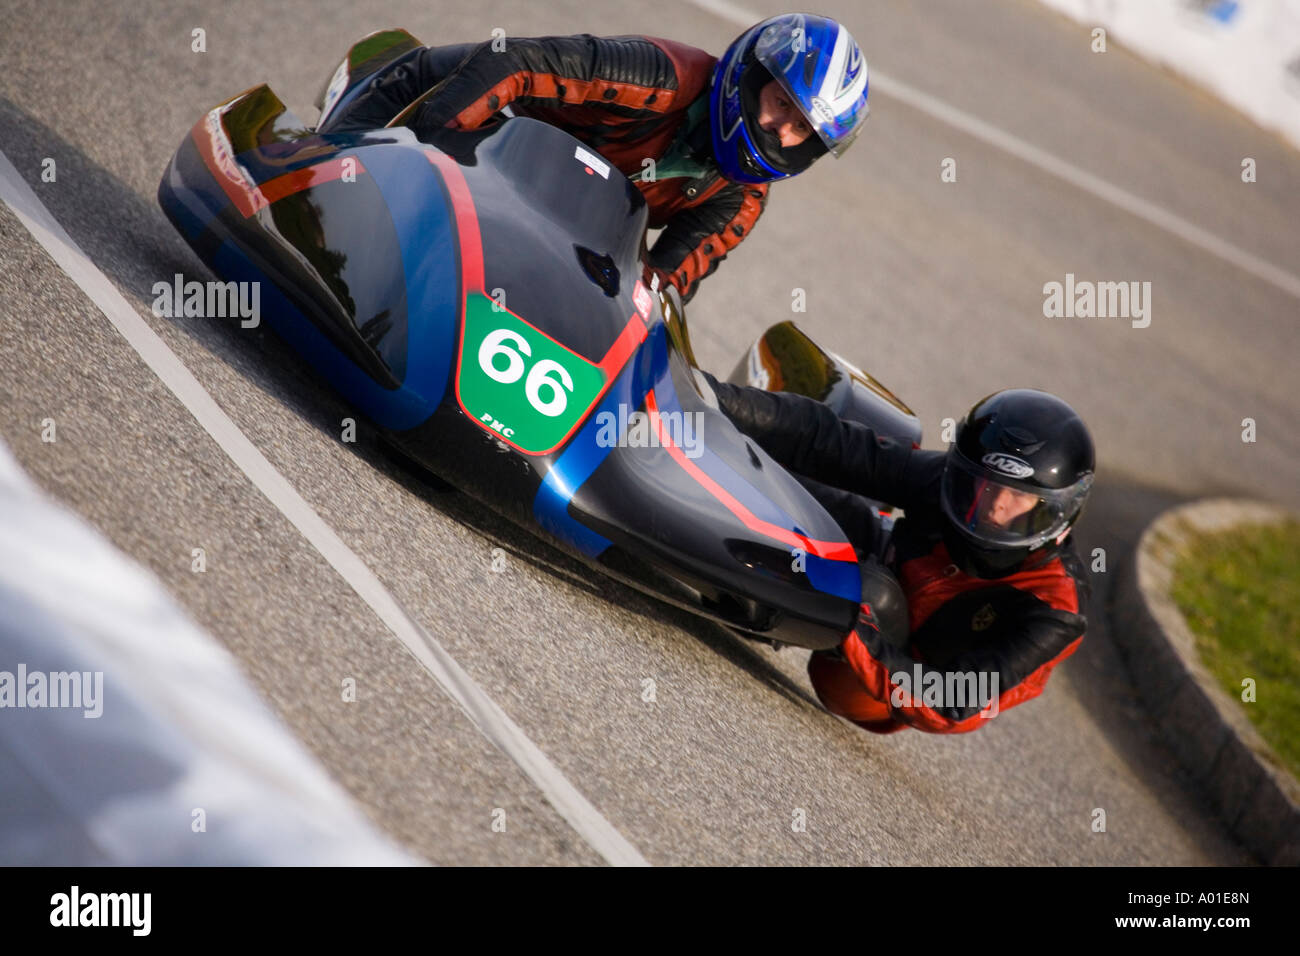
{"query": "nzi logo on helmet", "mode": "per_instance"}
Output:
(1008, 464)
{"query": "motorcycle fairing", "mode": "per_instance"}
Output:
(730, 529)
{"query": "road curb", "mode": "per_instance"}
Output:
(1204, 727)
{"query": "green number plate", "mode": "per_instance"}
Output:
(519, 384)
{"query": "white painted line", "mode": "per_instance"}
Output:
(1051, 164)
(486, 715)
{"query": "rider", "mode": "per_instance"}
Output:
(788, 90)
(990, 585)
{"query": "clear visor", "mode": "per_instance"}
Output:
(1006, 514)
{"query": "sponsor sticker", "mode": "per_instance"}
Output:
(593, 162)
(641, 299)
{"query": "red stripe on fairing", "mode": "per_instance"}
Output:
(832, 550)
(218, 155)
(276, 189)
(462, 204)
(629, 339)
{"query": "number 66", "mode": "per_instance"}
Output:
(539, 377)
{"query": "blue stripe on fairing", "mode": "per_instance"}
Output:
(411, 188)
(840, 578)
(648, 364)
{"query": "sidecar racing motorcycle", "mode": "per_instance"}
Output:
(478, 296)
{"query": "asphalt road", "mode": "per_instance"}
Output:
(936, 288)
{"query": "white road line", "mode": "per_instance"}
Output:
(486, 715)
(1052, 165)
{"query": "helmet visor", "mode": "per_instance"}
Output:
(828, 86)
(1001, 513)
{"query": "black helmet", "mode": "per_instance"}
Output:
(1016, 478)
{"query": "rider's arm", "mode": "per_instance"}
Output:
(806, 436)
(631, 75)
(695, 240)
(1033, 638)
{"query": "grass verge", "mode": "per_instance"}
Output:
(1239, 591)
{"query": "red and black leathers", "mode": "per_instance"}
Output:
(1017, 627)
(629, 98)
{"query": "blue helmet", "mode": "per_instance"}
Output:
(823, 72)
